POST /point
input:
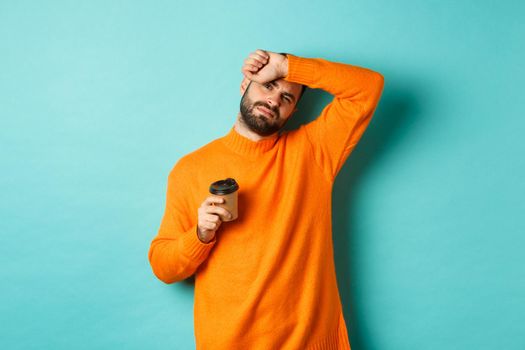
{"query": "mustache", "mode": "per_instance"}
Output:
(265, 105)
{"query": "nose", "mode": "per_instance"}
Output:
(274, 100)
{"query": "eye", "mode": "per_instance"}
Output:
(267, 85)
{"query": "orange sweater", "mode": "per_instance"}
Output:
(267, 280)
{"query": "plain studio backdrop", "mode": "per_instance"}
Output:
(99, 99)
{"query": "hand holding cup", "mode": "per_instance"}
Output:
(210, 218)
(220, 206)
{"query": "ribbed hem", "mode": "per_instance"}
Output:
(196, 250)
(302, 70)
(338, 340)
(247, 147)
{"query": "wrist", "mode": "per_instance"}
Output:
(284, 65)
(203, 240)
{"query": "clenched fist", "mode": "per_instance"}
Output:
(264, 66)
(210, 218)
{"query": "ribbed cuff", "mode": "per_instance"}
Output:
(193, 247)
(302, 70)
(337, 340)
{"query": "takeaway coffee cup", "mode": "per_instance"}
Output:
(227, 189)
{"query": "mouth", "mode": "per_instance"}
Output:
(265, 111)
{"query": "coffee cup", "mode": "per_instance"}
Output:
(227, 189)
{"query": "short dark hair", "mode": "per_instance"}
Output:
(303, 88)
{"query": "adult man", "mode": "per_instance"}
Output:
(267, 279)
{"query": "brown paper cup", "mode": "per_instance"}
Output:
(227, 189)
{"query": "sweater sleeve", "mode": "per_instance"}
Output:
(176, 252)
(336, 131)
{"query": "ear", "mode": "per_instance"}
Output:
(244, 84)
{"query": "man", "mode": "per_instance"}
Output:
(267, 279)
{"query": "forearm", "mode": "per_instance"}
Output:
(335, 132)
(177, 251)
(354, 84)
(175, 259)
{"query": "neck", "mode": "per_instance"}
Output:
(242, 129)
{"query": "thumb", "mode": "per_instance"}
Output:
(245, 82)
(247, 75)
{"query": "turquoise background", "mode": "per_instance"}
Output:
(99, 99)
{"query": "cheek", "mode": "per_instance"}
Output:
(256, 95)
(286, 110)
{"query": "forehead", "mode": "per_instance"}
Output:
(288, 86)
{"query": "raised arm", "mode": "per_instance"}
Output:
(336, 131)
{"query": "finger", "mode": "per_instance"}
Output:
(245, 82)
(210, 226)
(211, 218)
(247, 74)
(263, 54)
(221, 212)
(214, 224)
(259, 58)
(212, 200)
(251, 67)
(212, 212)
(255, 61)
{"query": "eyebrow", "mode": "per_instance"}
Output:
(274, 83)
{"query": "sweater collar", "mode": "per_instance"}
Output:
(244, 146)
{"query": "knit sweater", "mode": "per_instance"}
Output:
(267, 280)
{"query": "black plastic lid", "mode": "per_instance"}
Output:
(222, 187)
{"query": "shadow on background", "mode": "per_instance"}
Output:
(388, 126)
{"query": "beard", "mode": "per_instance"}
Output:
(257, 121)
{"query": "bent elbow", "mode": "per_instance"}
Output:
(375, 94)
(167, 279)
(157, 267)
(379, 81)
(166, 270)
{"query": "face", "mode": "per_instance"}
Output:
(265, 108)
